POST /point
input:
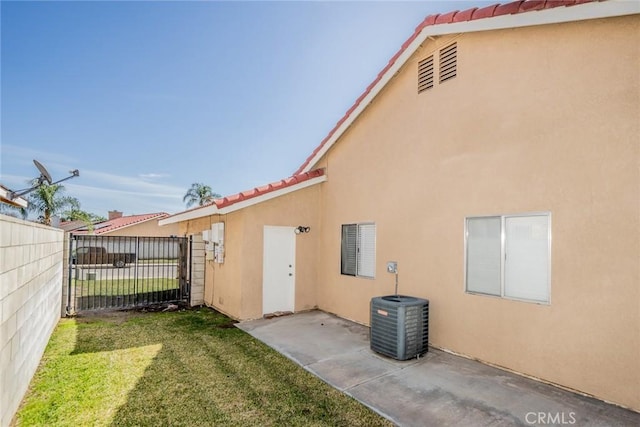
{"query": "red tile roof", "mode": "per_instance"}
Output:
(457, 16)
(124, 221)
(259, 191)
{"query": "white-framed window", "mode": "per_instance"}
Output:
(358, 250)
(509, 256)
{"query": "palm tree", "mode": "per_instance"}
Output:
(199, 193)
(48, 201)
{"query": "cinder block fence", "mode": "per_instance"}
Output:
(31, 264)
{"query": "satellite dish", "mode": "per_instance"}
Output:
(44, 176)
(44, 173)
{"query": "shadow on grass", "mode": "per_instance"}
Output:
(203, 371)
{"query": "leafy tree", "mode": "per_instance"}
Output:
(77, 214)
(199, 193)
(48, 201)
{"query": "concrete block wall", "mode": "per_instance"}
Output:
(197, 270)
(30, 294)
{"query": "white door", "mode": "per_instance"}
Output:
(278, 270)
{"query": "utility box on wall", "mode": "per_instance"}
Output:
(214, 240)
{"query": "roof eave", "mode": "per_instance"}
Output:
(214, 210)
(272, 195)
(556, 15)
(18, 202)
(204, 211)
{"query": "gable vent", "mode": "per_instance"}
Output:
(425, 74)
(448, 62)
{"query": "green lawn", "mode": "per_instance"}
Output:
(186, 368)
(123, 286)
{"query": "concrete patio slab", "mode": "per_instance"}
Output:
(439, 389)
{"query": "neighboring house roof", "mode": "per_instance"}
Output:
(72, 225)
(251, 197)
(497, 16)
(122, 222)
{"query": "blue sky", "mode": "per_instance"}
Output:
(146, 98)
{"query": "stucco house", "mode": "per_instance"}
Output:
(141, 234)
(496, 159)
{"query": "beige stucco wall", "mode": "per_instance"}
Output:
(222, 282)
(538, 119)
(235, 286)
(292, 210)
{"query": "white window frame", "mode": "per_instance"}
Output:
(365, 246)
(504, 256)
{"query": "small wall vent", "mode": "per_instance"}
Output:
(448, 62)
(425, 74)
(399, 326)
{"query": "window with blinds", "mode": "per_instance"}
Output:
(349, 249)
(509, 256)
(358, 250)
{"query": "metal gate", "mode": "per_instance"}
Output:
(125, 271)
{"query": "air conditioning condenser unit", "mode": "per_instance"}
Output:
(399, 326)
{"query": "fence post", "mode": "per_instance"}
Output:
(136, 289)
(196, 296)
(66, 255)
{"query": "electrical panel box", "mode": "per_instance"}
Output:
(214, 242)
(217, 238)
(392, 267)
(217, 232)
(208, 244)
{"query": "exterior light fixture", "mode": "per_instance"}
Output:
(301, 229)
